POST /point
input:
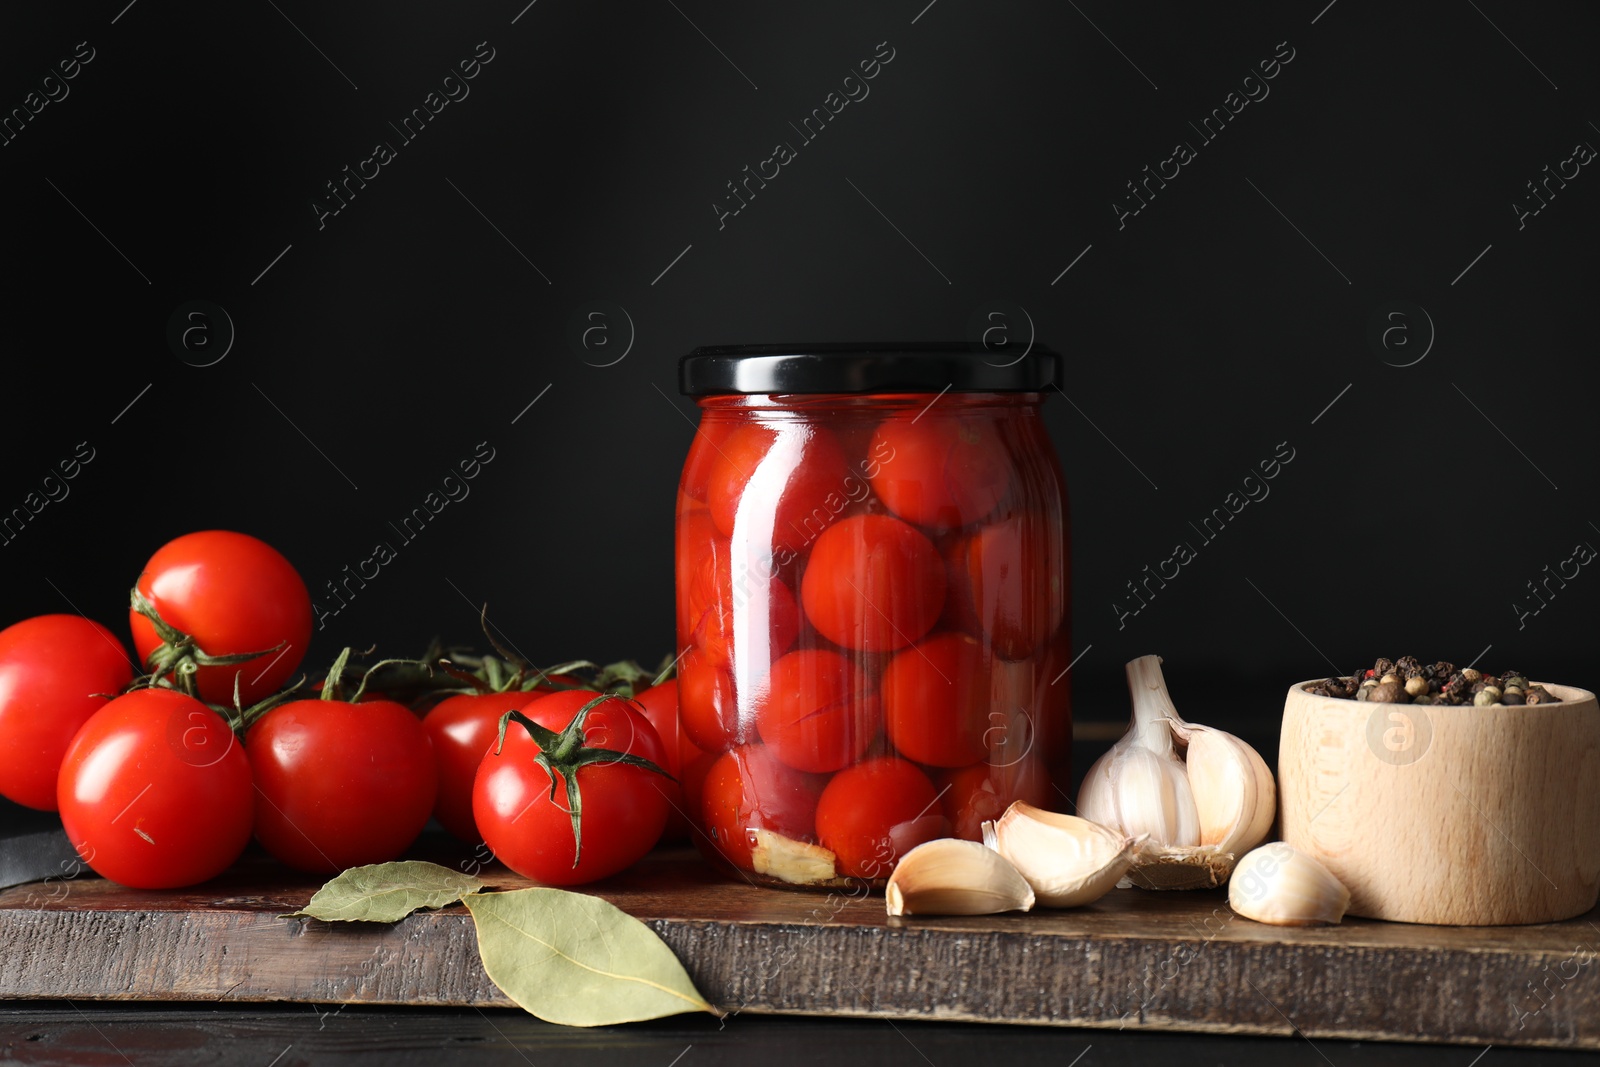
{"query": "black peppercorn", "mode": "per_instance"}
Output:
(1391, 692)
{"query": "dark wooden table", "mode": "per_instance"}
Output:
(1133, 961)
(85, 939)
(289, 1036)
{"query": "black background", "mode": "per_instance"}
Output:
(380, 349)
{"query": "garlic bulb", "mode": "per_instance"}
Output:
(954, 877)
(1199, 795)
(1068, 861)
(1279, 884)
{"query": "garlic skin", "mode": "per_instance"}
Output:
(1280, 885)
(789, 860)
(1200, 796)
(949, 876)
(1069, 861)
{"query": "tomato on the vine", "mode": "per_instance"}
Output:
(463, 729)
(873, 583)
(55, 672)
(155, 791)
(565, 800)
(747, 789)
(232, 595)
(817, 712)
(873, 813)
(935, 695)
(944, 473)
(340, 784)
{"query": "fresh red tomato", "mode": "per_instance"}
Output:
(945, 472)
(751, 612)
(659, 704)
(873, 583)
(340, 785)
(936, 701)
(232, 594)
(155, 791)
(462, 729)
(982, 793)
(795, 475)
(1008, 581)
(55, 672)
(620, 808)
(706, 705)
(873, 813)
(747, 790)
(817, 712)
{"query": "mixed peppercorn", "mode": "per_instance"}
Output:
(1409, 681)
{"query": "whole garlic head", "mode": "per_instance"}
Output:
(1200, 795)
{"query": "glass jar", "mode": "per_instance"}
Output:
(873, 609)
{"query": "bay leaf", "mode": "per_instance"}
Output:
(574, 959)
(387, 892)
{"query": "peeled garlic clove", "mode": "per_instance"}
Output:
(789, 860)
(1234, 795)
(954, 877)
(1281, 885)
(1069, 861)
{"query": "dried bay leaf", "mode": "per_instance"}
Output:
(577, 960)
(387, 892)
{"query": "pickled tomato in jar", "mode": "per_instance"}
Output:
(872, 603)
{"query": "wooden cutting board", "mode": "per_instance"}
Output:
(1135, 959)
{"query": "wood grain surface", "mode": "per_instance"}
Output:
(1135, 960)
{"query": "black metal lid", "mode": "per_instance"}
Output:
(869, 367)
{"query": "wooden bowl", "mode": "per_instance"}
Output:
(1461, 816)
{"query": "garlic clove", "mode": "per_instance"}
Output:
(1154, 799)
(1234, 795)
(789, 860)
(1097, 796)
(1281, 885)
(1069, 861)
(949, 876)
